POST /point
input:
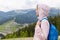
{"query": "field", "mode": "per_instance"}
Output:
(8, 27)
(29, 38)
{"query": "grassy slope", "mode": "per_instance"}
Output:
(2, 27)
(30, 38)
(7, 24)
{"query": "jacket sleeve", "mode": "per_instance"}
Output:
(45, 28)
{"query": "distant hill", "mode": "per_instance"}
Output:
(3, 17)
(24, 16)
(30, 16)
(53, 12)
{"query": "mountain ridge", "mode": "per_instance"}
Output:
(24, 15)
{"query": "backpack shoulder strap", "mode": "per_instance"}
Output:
(43, 19)
(46, 19)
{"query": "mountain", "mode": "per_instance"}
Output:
(53, 12)
(28, 17)
(24, 16)
(5, 16)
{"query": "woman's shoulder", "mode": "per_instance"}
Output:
(45, 21)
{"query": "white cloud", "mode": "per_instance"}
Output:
(6, 5)
(51, 3)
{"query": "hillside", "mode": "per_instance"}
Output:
(29, 38)
(8, 27)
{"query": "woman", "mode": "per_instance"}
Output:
(42, 26)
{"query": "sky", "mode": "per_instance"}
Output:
(8, 5)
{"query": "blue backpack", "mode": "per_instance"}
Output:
(53, 32)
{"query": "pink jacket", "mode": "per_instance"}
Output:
(41, 32)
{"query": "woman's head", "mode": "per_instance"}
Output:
(42, 10)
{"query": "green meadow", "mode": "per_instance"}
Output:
(29, 38)
(8, 26)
